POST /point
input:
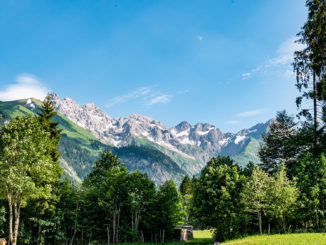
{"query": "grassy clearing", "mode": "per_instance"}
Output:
(204, 237)
(286, 239)
(200, 237)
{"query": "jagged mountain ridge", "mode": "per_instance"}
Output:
(191, 146)
(80, 149)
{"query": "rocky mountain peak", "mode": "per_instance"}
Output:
(183, 126)
(199, 142)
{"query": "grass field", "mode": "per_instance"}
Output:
(204, 237)
(286, 239)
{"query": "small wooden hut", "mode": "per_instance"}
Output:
(3, 241)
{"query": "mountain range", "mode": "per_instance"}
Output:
(142, 143)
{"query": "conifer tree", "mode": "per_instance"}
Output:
(185, 186)
(46, 115)
(310, 63)
(279, 143)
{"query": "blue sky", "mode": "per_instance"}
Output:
(224, 62)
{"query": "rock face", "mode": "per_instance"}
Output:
(191, 146)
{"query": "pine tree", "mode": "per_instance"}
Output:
(279, 143)
(185, 186)
(46, 115)
(310, 63)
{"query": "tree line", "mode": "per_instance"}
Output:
(112, 204)
(285, 193)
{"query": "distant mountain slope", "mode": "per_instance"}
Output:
(79, 148)
(190, 146)
(141, 142)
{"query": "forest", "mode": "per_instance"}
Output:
(285, 193)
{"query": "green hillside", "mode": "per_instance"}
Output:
(250, 153)
(79, 149)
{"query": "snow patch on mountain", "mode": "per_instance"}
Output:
(198, 142)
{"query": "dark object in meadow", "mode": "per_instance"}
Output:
(3, 241)
(184, 232)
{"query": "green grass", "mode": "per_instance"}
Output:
(286, 239)
(200, 237)
(204, 237)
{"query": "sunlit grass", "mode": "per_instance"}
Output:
(286, 239)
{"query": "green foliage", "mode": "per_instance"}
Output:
(282, 195)
(185, 186)
(255, 194)
(27, 170)
(279, 144)
(216, 198)
(310, 174)
(168, 207)
(309, 63)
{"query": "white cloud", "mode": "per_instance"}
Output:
(284, 57)
(141, 92)
(161, 99)
(184, 91)
(246, 75)
(233, 122)
(26, 86)
(200, 38)
(250, 113)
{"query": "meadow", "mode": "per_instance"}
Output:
(205, 237)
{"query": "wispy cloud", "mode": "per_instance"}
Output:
(160, 99)
(250, 113)
(232, 122)
(283, 57)
(25, 86)
(148, 96)
(246, 75)
(138, 93)
(200, 38)
(186, 91)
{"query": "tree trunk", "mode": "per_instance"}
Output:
(108, 232)
(283, 223)
(260, 222)
(132, 221)
(17, 218)
(315, 102)
(117, 232)
(269, 228)
(10, 218)
(136, 220)
(163, 235)
(72, 238)
(89, 240)
(142, 236)
(82, 236)
(39, 242)
(113, 226)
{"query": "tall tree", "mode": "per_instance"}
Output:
(168, 213)
(279, 144)
(185, 186)
(216, 200)
(310, 63)
(311, 181)
(27, 170)
(282, 195)
(254, 194)
(141, 192)
(46, 115)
